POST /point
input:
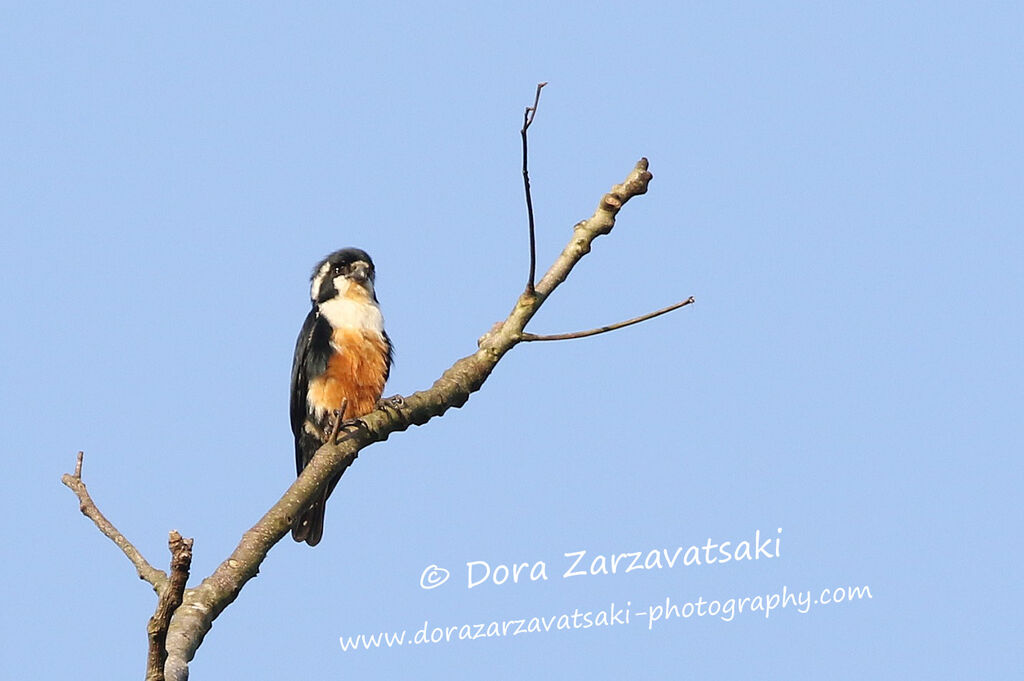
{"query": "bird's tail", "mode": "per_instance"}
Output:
(309, 526)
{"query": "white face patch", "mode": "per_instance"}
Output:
(318, 280)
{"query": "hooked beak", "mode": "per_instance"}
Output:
(360, 272)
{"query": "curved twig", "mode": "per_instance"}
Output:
(528, 116)
(604, 329)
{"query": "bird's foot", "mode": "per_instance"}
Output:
(352, 424)
(391, 404)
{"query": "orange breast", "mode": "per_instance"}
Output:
(355, 372)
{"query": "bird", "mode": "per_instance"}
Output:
(343, 357)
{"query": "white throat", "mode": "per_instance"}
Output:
(343, 312)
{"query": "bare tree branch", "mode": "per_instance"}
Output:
(194, 618)
(528, 116)
(157, 578)
(170, 599)
(610, 327)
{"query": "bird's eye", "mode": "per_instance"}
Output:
(339, 269)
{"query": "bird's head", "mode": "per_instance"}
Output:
(347, 273)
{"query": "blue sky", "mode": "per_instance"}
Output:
(839, 187)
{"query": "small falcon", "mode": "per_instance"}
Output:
(342, 359)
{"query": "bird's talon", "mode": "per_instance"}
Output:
(354, 424)
(392, 404)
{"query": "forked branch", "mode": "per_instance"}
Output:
(204, 603)
(192, 611)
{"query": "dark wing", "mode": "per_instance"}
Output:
(390, 360)
(312, 350)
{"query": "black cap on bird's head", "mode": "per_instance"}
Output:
(339, 271)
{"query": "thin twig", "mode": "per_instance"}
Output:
(610, 327)
(87, 506)
(528, 115)
(170, 599)
(337, 421)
